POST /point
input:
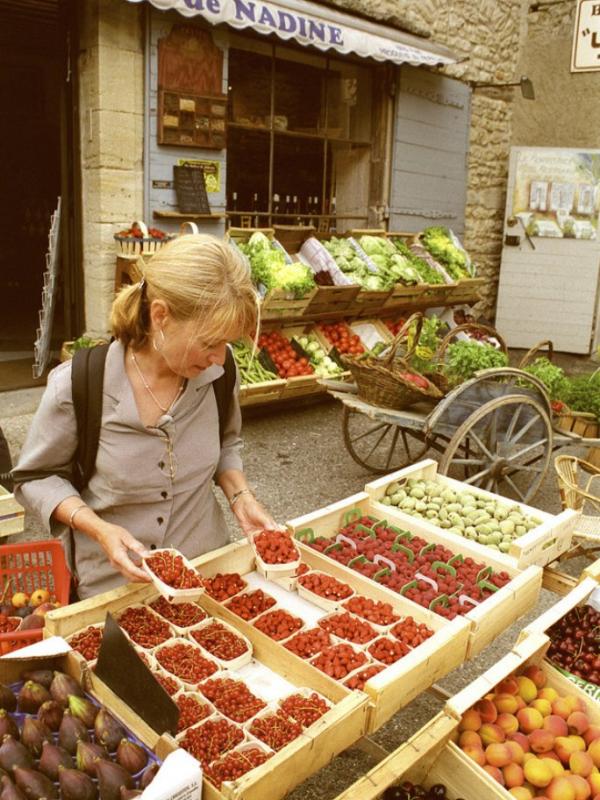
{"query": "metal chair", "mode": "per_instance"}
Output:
(576, 483)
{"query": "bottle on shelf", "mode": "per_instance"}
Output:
(288, 205)
(233, 220)
(254, 209)
(332, 211)
(296, 209)
(275, 208)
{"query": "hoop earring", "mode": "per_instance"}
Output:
(154, 345)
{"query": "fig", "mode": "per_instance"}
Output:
(131, 756)
(83, 709)
(34, 734)
(71, 731)
(148, 774)
(14, 754)
(129, 794)
(51, 714)
(111, 777)
(9, 791)
(8, 727)
(87, 755)
(31, 696)
(75, 785)
(108, 731)
(7, 698)
(34, 785)
(62, 686)
(53, 756)
(43, 676)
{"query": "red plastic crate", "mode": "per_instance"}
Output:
(26, 567)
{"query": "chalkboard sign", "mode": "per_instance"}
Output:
(190, 188)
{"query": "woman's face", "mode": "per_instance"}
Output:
(184, 351)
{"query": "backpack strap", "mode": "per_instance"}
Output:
(223, 389)
(87, 381)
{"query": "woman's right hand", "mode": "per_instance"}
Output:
(116, 542)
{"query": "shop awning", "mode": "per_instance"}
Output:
(317, 26)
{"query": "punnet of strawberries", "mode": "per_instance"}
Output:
(223, 586)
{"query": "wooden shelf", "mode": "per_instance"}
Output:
(278, 215)
(297, 134)
(179, 215)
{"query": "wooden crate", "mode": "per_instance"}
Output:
(331, 300)
(583, 424)
(292, 237)
(252, 394)
(278, 305)
(339, 728)
(593, 571)
(380, 329)
(489, 619)
(540, 546)
(402, 296)
(427, 759)
(466, 291)
(12, 514)
(368, 302)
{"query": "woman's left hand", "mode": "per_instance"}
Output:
(252, 516)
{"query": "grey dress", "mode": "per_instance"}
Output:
(157, 482)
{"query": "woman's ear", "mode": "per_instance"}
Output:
(159, 313)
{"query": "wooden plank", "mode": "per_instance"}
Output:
(593, 571)
(576, 597)
(557, 582)
(12, 514)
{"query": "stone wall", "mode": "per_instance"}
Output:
(111, 68)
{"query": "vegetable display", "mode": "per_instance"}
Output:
(324, 365)
(425, 271)
(342, 338)
(270, 269)
(553, 377)
(251, 370)
(445, 248)
(392, 266)
(465, 358)
(355, 267)
(483, 519)
(288, 362)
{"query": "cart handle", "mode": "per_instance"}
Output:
(530, 354)
(470, 326)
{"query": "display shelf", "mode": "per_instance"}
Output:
(322, 137)
(179, 215)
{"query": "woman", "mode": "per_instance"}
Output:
(159, 449)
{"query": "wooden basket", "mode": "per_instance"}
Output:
(380, 380)
(146, 245)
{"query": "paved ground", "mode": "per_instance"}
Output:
(297, 462)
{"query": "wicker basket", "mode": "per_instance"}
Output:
(66, 351)
(381, 381)
(145, 245)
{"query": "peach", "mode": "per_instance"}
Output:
(537, 772)
(527, 688)
(561, 707)
(521, 793)
(495, 773)
(529, 719)
(475, 753)
(560, 788)
(471, 721)
(513, 775)
(557, 725)
(508, 685)
(486, 710)
(564, 747)
(520, 703)
(537, 675)
(578, 722)
(554, 764)
(498, 755)
(594, 751)
(469, 737)
(516, 751)
(508, 722)
(521, 739)
(581, 786)
(548, 693)
(491, 733)
(593, 732)
(506, 703)
(575, 702)
(528, 756)
(543, 706)
(581, 763)
(541, 741)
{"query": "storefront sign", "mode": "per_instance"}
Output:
(586, 37)
(557, 192)
(311, 24)
(212, 172)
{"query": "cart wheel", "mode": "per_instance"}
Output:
(503, 447)
(380, 446)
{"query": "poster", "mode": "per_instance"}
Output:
(585, 54)
(212, 172)
(557, 193)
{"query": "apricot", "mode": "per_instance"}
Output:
(581, 786)
(541, 741)
(495, 773)
(38, 597)
(556, 725)
(486, 710)
(527, 688)
(506, 703)
(581, 763)
(521, 793)
(520, 703)
(508, 722)
(521, 739)
(564, 747)
(537, 675)
(516, 751)
(594, 751)
(555, 766)
(578, 722)
(508, 685)
(475, 753)
(471, 721)
(548, 693)
(499, 755)
(537, 772)
(528, 756)
(513, 775)
(561, 707)
(560, 788)
(594, 782)
(491, 733)
(543, 706)
(469, 737)
(529, 719)
(593, 732)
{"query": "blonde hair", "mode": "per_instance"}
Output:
(200, 278)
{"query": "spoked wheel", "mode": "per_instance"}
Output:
(503, 447)
(380, 446)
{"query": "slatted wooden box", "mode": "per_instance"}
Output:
(12, 514)
(593, 571)
(540, 546)
(489, 619)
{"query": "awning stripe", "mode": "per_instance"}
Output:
(316, 26)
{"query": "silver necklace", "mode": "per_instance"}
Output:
(149, 390)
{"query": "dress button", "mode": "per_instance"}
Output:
(152, 547)
(164, 495)
(160, 520)
(161, 464)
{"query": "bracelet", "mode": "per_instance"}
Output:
(74, 512)
(235, 497)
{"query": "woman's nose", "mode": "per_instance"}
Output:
(217, 356)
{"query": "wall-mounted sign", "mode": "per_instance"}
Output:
(557, 192)
(212, 172)
(586, 37)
